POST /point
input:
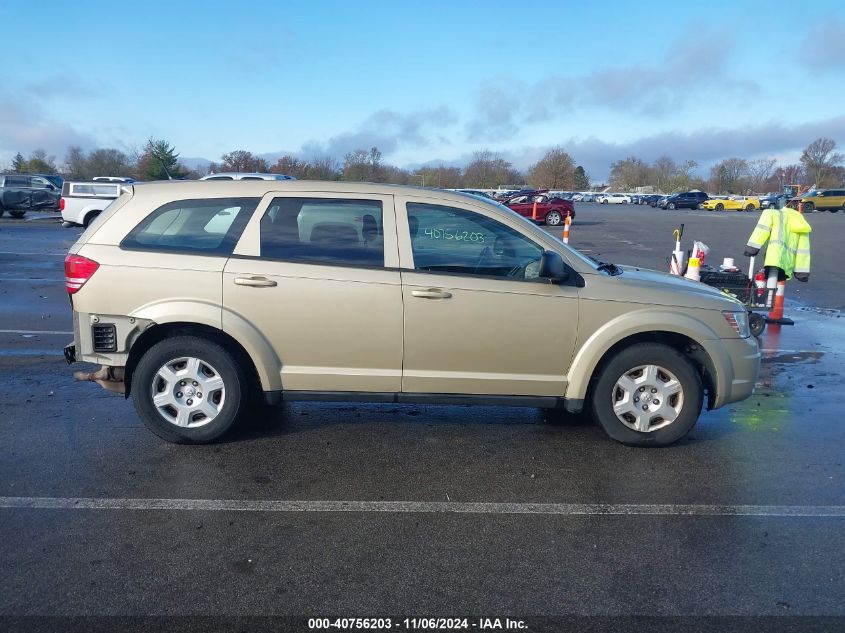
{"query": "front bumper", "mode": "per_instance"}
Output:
(744, 355)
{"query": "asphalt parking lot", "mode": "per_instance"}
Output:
(332, 509)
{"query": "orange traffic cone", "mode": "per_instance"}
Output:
(777, 308)
(567, 223)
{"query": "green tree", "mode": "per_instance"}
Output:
(581, 181)
(39, 163)
(18, 163)
(556, 170)
(160, 162)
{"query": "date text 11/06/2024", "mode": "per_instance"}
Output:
(417, 624)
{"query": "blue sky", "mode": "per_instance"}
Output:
(426, 82)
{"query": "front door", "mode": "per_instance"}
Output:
(478, 320)
(317, 276)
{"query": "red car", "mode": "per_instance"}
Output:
(550, 211)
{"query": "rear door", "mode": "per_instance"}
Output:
(478, 320)
(317, 275)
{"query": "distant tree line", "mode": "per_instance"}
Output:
(820, 164)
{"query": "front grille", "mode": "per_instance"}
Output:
(105, 338)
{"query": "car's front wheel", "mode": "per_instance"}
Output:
(17, 214)
(553, 218)
(749, 207)
(189, 390)
(720, 206)
(671, 206)
(647, 395)
(809, 207)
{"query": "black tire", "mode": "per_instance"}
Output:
(553, 218)
(809, 207)
(89, 218)
(757, 323)
(2, 212)
(668, 359)
(749, 207)
(232, 374)
(671, 206)
(720, 206)
(17, 214)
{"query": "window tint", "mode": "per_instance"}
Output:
(210, 226)
(17, 181)
(451, 240)
(339, 232)
(220, 178)
(39, 183)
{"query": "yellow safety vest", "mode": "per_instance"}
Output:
(788, 235)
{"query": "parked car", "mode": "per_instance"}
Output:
(196, 297)
(20, 193)
(822, 200)
(732, 203)
(683, 200)
(588, 197)
(615, 198)
(236, 175)
(650, 199)
(769, 199)
(550, 211)
(123, 179)
(81, 202)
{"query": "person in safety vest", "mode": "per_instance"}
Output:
(788, 235)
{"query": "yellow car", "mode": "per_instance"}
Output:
(822, 200)
(734, 203)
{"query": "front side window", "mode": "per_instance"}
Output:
(207, 226)
(451, 240)
(337, 232)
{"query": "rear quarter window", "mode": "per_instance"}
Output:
(207, 226)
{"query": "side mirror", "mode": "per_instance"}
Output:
(553, 268)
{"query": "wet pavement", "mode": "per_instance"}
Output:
(507, 510)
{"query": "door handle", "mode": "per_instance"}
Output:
(431, 293)
(256, 282)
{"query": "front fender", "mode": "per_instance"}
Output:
(593, 349)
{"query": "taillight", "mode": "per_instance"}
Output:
(61, 204)
(78, 270)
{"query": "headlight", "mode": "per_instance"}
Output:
(739, 322)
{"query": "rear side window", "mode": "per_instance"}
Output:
(96, 190)
(17, 181)
(208, 226)
(337, 232)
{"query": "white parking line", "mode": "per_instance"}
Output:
(62, 332)
(416, 507)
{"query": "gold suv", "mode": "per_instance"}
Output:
(823, 200)
(198, 296)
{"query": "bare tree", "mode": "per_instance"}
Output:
(556, 170)
(819, 158)
(630, 173)
(729, 175)
(487, 170)
(759, 172)
(243, 161)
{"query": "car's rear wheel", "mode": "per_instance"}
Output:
(749, 207)
(671, 206)
(188, 390)
(809, 207)
(89, 218)
(17, 214)
(647, 395)
(553, 218)
(720, 206)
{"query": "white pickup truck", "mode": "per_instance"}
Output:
(81, 202)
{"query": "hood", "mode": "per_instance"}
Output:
(796, 223)
(658, 288)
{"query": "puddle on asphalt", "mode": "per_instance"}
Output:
(780, 358)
